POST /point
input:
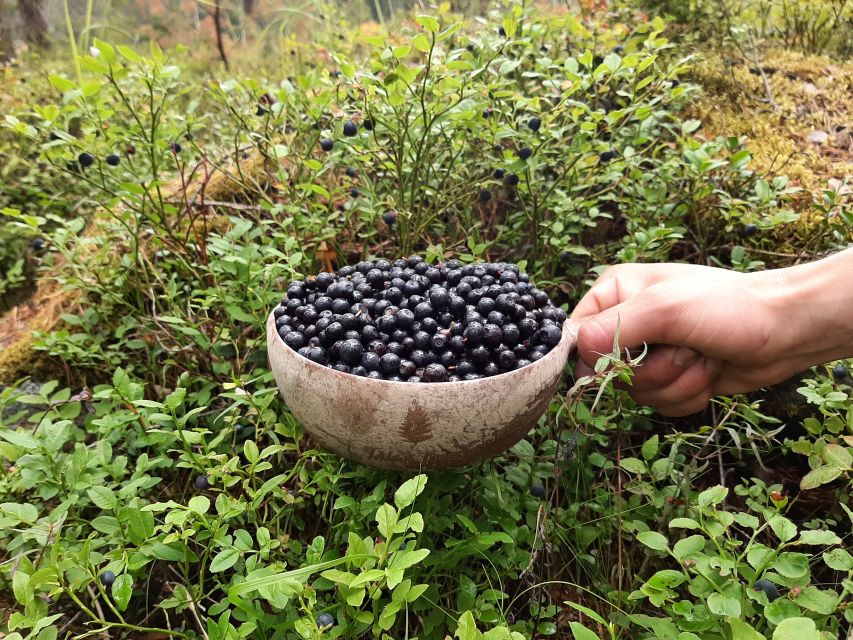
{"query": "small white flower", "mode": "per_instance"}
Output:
(95, 52)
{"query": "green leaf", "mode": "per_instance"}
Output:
(223, 560)
(428, 22)
(822, 601)
(386, 518)
(650, 447)
(721, 605)
(712, 496)
(784, 529)
(633, 465)
(666, 578)
(587, 611)
(683, 523)
(688, 546)
(838, 559)
(743, 630)
(580, 632)
(837, 456)
(102, 497)
(199, 504)
(467, 628)
(796, 629)
(422, 42)
(822, 475)
(122, 590)
(25, 512)
(818, 537)
(409, 490)
(653, 540)
(792, 565)
(371, 575)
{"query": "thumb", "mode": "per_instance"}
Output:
(636, 321)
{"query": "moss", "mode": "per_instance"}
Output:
(811, 94)
(19, 360)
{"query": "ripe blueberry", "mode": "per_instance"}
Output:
(606, 156)
(839, 372)
(326, 144)
(113, 160)
(175, 147)
(485, 195)
(749, 230)
(86, 159)
(325, 620)
(534, 123)
(202, 482)
(770, 589)
(107, 578)
(435, 373)
(389, 218)
(525, 152)
(350, 128)
(537, 490)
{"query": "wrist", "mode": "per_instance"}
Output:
(813, 305)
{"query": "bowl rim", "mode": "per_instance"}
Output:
(569, 329)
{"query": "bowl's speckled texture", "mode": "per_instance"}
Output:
(404, 425)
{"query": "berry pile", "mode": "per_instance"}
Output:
(413, 322)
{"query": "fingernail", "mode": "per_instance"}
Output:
(684, 356)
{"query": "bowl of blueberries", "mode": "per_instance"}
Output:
(408, 365)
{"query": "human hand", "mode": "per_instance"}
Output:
(713, 331)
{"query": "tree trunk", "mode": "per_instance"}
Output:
(35, 27)
(7, 47)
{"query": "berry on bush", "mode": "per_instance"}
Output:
(326, 144)
(389, 218)
(525, 152)
(485, 195)
(512, 180)
(367, 124)
(487, 113)
(606, 156)
(350, 128)
(325, 620)
(537, 490)
(202, 482)
(37, 245)
(261, 111)
(534, 123)
(107, 578)
(770, 589)
(414, 322)
(86, 159)
(175, 147)
(351, 173)
(749, 230)
(840, 373)
(113, 160)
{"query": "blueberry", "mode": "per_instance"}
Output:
(350, 128)
(770, 589)
(492, 335)
(749, 230)
(261, 111)
(86, 159)
(295, 340)
(435, 373)
(326, 144)
(113, 160)
(537, 490)
(512, 180)
(107, 578)
(37, 245)
(351, 351)
(389, 364)
(485, 195)
(839, 373)
(525, 152)
(499, 174)
(351, 173)
(175, 147)
(389, 218)
(325, 620)
(367, 124)
(202, 482)
(534, 123)
(473, 334)
(502, 32)
(487, 113)
(606, 156)
(353, 193)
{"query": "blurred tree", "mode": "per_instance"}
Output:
(35, 27)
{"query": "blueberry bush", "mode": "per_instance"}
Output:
(159, 487)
